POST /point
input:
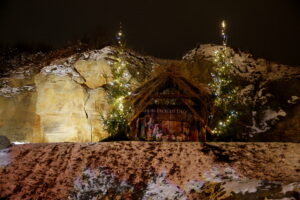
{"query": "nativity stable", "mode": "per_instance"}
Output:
(170, 107)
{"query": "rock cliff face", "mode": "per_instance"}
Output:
(151, 170)
(59, 102)
(270, 90)
(63, 100)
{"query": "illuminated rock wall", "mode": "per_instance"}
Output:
(56, 103)
(18, 118)
(63, 99)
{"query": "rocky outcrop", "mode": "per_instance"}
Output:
(18, 118)
(64, 99)
(96, 107)
(151, 170)
(95, 73)
(269, 90)
(60, 107)
(4, 142)
(61, 102)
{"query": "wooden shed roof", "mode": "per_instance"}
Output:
(189, 93)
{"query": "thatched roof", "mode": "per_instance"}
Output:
(196, 97)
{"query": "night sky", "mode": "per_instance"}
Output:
(162, 28)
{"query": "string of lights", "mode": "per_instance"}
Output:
(118, 89)
(120, 36)
(223, 86)
(223, 33)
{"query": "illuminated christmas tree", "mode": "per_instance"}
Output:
(116, 120)
(224, 89)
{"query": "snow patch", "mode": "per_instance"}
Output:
(290, 187)
(213, 175)
(7, 91)
(18, 143)
(4, 157)
(269, 118)
(293, 100)
(273, 115)
(98, 54)
(248, 186)
(195, 185)
(59, 70)
(219, 175)
(21, 72)
(160, 188)
(245, 65)
(244, 95)
(254, 128)
(95, 184)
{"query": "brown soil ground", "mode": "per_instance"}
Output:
(48, 171)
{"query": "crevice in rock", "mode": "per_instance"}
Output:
(79, 75)
(87, 90)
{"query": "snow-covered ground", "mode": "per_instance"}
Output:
(147, 170)
(4, 157)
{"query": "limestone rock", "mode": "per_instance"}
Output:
(96, 107)
(61, 101)
(270, 91)
(4, 142)
(18, 118)
(60, 105)
(96, 73)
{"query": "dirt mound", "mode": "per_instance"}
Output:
(143, 170)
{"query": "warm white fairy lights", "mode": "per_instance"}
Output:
(118, 89)
(120, 86)
(223, 32)
(120, 36)
(222, 85)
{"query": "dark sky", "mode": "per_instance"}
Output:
(162, 28)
